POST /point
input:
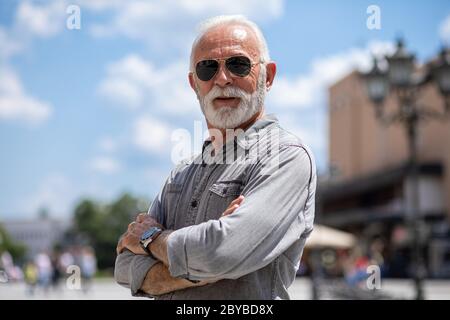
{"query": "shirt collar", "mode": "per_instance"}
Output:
(249, 137)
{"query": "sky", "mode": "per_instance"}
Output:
(98, 110)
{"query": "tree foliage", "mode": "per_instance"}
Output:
(16, 249)
(100, 225)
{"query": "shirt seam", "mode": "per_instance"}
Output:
(274, 278)
(309, 181)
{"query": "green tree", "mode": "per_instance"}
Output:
(16, 249)
(88, 218)
(101, 225)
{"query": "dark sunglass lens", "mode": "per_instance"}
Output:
(206, 69)
(240, 66)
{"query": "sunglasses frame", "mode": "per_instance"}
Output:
(252, 64)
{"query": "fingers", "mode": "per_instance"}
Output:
(138, 230)
(134, 231)
(121, 245)
(131, 226)
(238, 200)
(147, 220)
(233, 205)
(230, 210)
(141, 217)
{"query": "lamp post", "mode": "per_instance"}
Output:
(402, 80)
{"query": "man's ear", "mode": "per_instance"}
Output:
(191, 81)
(271, 70)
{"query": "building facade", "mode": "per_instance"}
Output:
(38, 235)
(369, 191)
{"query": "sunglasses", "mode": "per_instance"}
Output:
(238, 65)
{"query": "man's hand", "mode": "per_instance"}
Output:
(130, 239)
(143, 222)
(233, 206)
(158, 279)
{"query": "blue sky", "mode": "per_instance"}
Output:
(91, 112)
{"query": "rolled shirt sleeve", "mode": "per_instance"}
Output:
(130, 269)
(277, 210)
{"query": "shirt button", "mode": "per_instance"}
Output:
(194, 203)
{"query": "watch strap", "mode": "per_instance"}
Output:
(146, 244)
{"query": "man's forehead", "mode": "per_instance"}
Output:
(227, 38)
(239, 33)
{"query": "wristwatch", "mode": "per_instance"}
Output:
(148, 237)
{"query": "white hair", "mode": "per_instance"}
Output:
(210, 23)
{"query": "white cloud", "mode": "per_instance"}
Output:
(134, 82)
(172, 9)
(173, 22)
(104, 164)
(31, 20)
(300, 100)
(153, 174)
(152, 135)
(55, 193)
(128, 81)
(307, 131)
(108, 144)
(444, 30)
(8, 45)
(306, 90)
(101, 5)
(15, 104)
(42, 20)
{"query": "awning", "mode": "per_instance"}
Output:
(326, 237)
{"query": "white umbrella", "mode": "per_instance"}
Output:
(326, 237)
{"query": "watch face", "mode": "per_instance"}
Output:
(150, 232)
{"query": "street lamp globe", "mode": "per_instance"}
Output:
(441, 72)
(401, 66)
(377, 85)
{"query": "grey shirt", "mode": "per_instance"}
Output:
(253, 253)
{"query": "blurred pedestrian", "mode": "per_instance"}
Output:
(56, 268)
(31, 275)
(45, 270)
(88, 267)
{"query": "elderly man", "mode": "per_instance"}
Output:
(232, 222)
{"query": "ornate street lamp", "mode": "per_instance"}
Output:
(401, 66)
(441, 74)
(401, 80)
(377, 87)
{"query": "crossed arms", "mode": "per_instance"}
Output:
(278, 209)
(158, 279)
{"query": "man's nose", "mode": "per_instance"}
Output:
(223, 77)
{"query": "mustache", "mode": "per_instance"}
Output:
(229, 92)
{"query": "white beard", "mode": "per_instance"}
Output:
(231, 117)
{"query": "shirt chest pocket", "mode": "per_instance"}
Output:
(221, 194)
